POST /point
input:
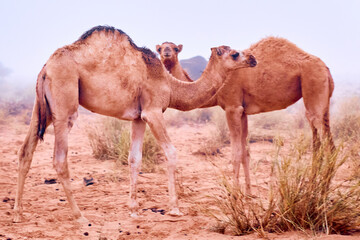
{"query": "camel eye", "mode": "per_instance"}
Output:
(176, 49)
(159, 49)
(235, 55)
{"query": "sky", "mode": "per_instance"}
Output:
(32, 30)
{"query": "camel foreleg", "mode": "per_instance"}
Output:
(156, 123)
(238, 126)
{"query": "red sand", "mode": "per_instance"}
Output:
(47, 216)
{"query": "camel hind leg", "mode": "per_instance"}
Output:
(135, 156)
(316, 91)
(62, 128)
(25, 158)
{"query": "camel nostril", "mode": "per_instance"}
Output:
(252, 61)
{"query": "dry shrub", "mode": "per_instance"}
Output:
(2, 116)
(14, 108)
(112, 141)
(346, 124)
(309, 196)
(346, 128)
(271, 120)
(178, 118)
(240, 214)
(219, 135)
(303, 195)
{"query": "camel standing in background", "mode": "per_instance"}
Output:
(105, 72)
(284, 74)
(169, 57)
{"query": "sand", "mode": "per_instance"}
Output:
(48, 216)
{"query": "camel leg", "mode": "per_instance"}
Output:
(62, 128)
(157, 126)
(238, 126)
(25, 158)
(317, 107)
(135, 156)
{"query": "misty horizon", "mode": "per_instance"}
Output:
(33, 30)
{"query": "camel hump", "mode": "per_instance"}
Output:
(149, 56)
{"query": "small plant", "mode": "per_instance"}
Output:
(347, 121)
(112, 141)
(303, 195)
(309, 197)
(242, 214)
(177, 118)
(219, 135)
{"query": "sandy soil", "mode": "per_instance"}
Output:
(47, 215)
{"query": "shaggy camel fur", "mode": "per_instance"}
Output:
(284, 74)
(105, 72)
(169, 57)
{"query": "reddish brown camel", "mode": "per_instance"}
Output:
(284, 74)
(105, 72)
(169, 57)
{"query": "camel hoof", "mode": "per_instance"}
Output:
(82, 220)
(175, 212)
(134, 215)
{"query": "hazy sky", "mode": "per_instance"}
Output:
(32, 30)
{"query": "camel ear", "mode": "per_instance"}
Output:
(218, 51)
(180, 46)
(158, 48)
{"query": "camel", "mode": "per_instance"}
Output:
(107, 73)
(169, 57)
(284, 74)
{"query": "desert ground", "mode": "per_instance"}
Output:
(104, 203)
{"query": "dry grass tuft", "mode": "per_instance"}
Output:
(309, 196)
(346, 128)
(346, 124)
(219, 135)
(112, 141)
(239, 213)
(178, 118)
(303, 196)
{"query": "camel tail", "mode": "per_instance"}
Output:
(331, 83)
(41, 103)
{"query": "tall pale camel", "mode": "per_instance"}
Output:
(105, 72)
(284, 74)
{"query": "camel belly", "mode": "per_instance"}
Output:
(111, 101)
(271, 101)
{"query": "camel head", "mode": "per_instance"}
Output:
(169, 52)
(230, 59)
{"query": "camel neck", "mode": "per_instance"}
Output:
(186, 96)
(178, 72)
